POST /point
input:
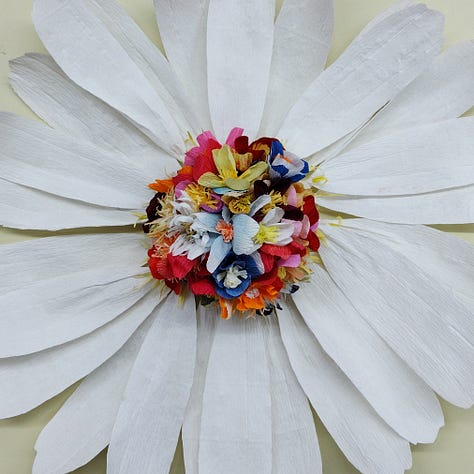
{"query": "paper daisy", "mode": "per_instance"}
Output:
(233, 306)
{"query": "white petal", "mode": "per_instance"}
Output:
(395, 392)
(245, 228)
(206, 323)
(239, 50)
(449, 206)
(34, 155)
(28, 381)
(83, 425)
(411, 161)
(420, 319)
(64, 308)
(39, 81)
(26, 208)
(219, 249)
(375, 68)
(444, 91)
(303, 33)
(366, 440)
(446, 258)
(146, 432)
(295, 444)
(236, 426)
(183, 26)
(100, 48)
(27, 263)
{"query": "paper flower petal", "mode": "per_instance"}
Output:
(39, 81)
(182, 28)
(414, 314)
(245, 228)
(444, 91)
(153, 417)
(28, 381)
(395, 392)
(128, 68)
(412, 161)
(450, 206)
(219, 250)
(26, 208)
(300, 52)
(226, 443)
(344, 411)
(238, 62)
(89, 414)
(332, 106)
(37, 156)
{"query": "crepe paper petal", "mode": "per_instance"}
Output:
(238, 62)
(344, 411)
(206, 322)
(61, 309)
(450, 206)
(34, 155)
(27, 208)
(39, 81)
(349, 92)
(294, 442)
(89, 414)
(394, 391)
(183, 26)
(444, 91)
(28, 381)
(411, 161)
(260, 202)
(219, 250)
(300, 52)
(446, 258)
(150, 417)
(417, 317)
(115, 61)
(24, 264)
(236, 422)
(245, 229)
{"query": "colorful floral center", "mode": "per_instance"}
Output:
(235, 226)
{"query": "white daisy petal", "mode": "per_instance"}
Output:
(27, 263)
(150, 417)
(449, 206)
(183, 26)
(100, 48)
(411, 161)
(395, 392)
(239, 50)
(375, 68)
(300, 52)
(399, 5)
(444, 257)
(236, 426)
(419, 318)
(295, 444)
(28, 381)
(58, 310)
(444, 91)
(39, 81)
(26, 208)
(88, 415)
(37, 156)
(366, 440)
(206, 323)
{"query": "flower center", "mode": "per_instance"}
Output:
(235, 226)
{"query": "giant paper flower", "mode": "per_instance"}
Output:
(383, 316)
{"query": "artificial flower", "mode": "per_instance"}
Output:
(367, 318)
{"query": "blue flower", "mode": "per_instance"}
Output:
(234, 274)
(286, 165)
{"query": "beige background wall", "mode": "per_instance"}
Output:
(453, 453)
